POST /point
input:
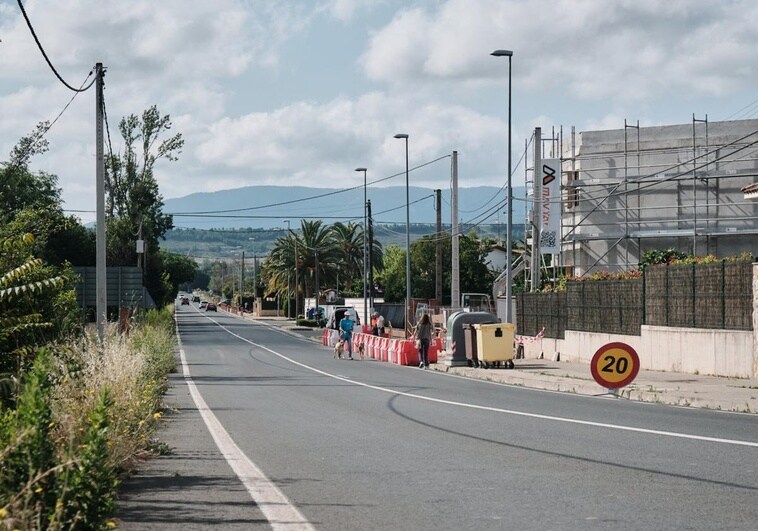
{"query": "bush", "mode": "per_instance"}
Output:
(79, 423)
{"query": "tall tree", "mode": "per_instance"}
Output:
(134, 205)
(133, 201)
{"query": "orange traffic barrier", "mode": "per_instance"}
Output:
(408, 352)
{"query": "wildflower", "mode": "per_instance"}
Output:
(110, 524)
(59, 504)
(157, 415)
(38, 490)
(3, 512)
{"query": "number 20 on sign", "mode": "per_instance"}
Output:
(615, 365)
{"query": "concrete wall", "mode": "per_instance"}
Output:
(664, 348)
(687, 350)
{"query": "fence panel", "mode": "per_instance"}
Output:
(716, 295)
(608, 306)
(537, 310)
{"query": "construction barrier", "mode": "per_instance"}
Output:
(397, 351)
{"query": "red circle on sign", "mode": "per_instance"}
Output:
(615, 365)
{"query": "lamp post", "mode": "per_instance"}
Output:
(407, 237)
(509, 230)
(294, 237)
(365, 229)
(288, 276)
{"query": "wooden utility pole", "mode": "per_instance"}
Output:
(100, 269)
(455, 289)
(370, 255)
(438, 248)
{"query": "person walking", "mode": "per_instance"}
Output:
(379, 327)
(423, 335)
(346, 333)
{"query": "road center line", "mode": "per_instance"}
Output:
(496, 409)
(277, 509)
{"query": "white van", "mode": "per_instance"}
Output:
(338, 313)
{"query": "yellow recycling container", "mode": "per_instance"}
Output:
(495, 344)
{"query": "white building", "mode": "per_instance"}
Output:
(631, 190)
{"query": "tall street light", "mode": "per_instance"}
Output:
(365, 236)
(407, 237)
(288, 275)
(509, 230)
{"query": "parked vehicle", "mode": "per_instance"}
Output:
(338, 313)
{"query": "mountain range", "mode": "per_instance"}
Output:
(268, 206)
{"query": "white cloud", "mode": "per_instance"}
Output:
(625, 50)
(325, 142)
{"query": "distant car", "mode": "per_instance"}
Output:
(210, 307)
(203, 304)
(185, 300)
(195, 298)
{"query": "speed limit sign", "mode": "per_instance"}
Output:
(615, 365)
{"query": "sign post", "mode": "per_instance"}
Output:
(615, 365)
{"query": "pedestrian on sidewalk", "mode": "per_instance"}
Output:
(378, 325)
(346, 333)
(423, 335)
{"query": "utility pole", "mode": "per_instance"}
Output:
(370, 255)
(242, 278)
(536, 209)
(455, 290)
(100, 269)
(438, 248)
(255, 281)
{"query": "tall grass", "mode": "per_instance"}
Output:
(85, 416)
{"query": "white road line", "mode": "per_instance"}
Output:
(277, 509)
(496, 409)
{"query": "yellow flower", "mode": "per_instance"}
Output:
(156, 415)
(58, 504)
(3, 512)
(110, 524)
(38, 490)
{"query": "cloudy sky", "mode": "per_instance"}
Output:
(304, 91)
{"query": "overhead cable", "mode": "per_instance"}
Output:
(41, 49)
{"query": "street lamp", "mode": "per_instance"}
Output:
(365, 225)
(288, 276)
(294, 237)
(407, 237)
(509, 230)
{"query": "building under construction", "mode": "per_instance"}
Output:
(631, 190)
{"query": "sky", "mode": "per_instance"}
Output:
(302, 92)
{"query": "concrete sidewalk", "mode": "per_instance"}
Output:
(679, 389)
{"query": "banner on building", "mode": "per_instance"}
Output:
(550, 227)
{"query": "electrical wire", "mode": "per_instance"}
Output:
(319, 196)
(41, 49)
(51, 124)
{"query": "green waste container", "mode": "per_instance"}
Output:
(495, 344)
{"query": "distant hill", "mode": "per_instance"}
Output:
(267, 206)
(203, 232)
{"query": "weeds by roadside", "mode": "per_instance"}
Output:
(84, 416)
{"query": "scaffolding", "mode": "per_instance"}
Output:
(659, 189)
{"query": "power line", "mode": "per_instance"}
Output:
(41, 49)
(319, 196)
(51, 124)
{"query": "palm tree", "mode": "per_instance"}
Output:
(348, 240)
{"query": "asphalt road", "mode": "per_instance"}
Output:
(338, 444)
